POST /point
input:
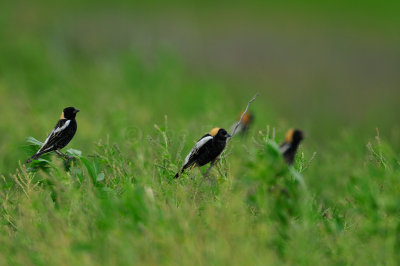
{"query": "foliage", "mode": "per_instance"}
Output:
(117, 202)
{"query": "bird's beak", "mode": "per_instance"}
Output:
(228, 135)
(76, 110)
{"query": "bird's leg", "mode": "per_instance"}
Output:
(209, 169)
(211, 166)
(59, 153)
(63, 155)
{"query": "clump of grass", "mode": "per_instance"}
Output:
(110, 207)
(117, 202)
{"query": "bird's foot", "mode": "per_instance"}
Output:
(65, 156)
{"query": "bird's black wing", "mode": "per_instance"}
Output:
(191, 157)
(55, 136)
(284, 147)
(193, 154)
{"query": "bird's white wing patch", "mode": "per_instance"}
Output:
(59, 129)
(48, 137)
(284, 147)
(197, 146)
(45, 142)
(52, 133)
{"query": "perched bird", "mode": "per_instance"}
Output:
(245, 124)
(207, 149)
(61, 135)
(289, 147)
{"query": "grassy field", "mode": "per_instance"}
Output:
(149, 82)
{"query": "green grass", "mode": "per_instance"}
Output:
(121, 205)
(118, 202)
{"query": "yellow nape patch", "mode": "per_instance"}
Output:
(62, 116)
(214, 131)
(289, 135)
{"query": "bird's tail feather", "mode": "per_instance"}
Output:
(34, 157)
(180, 172)
(183, 169)
(177, 174)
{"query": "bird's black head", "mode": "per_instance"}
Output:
(69, 113)
(294, 136)
(219, 133)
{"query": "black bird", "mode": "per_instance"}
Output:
(245, 124)
(207, 149)
(289, 147)
(61, 135)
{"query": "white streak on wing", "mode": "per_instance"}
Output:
(54, 131)
(59, 129)
(196, 147)
(48, 137)
(284, 147)
(45, 142)
(48, 148)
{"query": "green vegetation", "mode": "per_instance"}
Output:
(118, 203)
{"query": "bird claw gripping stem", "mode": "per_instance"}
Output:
(65, 156)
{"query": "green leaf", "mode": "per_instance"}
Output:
(90, 168)
(100, 177)
(34, 141)
(74, 152)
